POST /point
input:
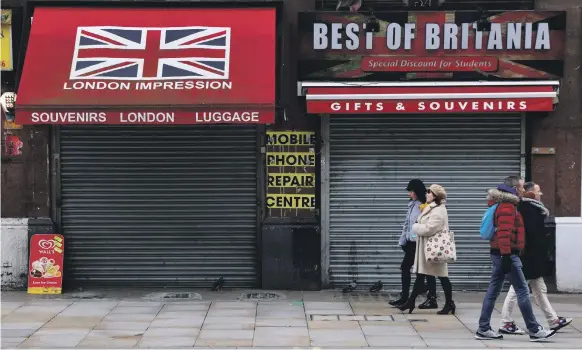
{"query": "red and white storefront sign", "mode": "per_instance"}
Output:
(430, 97)
(203, 115)
(149, 66)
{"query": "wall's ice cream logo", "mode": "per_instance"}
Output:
(49, 246)
(46, 244)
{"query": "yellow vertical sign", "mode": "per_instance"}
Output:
(6, 40)
(291, 162)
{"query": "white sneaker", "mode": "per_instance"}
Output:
(541, 335)
(489, 334)
(560, 323)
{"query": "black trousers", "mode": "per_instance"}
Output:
(406, 277)
(419, 286)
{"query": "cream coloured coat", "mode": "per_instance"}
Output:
(433, 219)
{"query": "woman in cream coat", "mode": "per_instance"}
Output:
(433, 219)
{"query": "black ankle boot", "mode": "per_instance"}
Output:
(409, 305)
(430, 303)
(399, 301)
(450, 307)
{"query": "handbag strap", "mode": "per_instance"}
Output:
(451, 234)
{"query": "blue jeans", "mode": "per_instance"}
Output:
(519, 283)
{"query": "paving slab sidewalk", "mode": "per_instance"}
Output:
(325, 319)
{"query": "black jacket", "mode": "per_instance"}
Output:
(534, 257)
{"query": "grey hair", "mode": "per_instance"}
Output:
(512, 181)
(529, 186)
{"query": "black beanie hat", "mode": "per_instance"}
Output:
(418, 187)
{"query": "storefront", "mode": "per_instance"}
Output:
(422, 95)
(157, 119)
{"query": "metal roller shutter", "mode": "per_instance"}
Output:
(159, 206)
(371, 161)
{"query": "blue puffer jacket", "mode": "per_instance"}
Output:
(414, 210)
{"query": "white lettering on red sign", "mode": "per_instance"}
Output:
(357, 106)
(147, 117)
(148, 85)
(69, 117)
(481, 105)
(150, 117)
(473, 106)
(227, 117)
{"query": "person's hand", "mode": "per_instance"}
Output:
(506, 264)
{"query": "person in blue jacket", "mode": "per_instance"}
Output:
(417, 194)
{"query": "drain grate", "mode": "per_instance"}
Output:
(261, 296)
(361, 295)
(314, 317)
(173, 295)
(367, 294)
(87, 295)
(177, 296)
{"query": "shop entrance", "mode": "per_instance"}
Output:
(371, 160)
(159, 206)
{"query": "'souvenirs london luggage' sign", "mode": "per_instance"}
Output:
(149, 66)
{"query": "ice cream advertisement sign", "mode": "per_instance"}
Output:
(45, 264)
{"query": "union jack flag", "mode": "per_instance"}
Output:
(130, 53)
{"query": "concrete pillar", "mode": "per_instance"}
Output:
(560, 175)
(291, 241)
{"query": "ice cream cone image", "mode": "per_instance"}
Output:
(52, 271)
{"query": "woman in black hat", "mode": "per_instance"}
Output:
(417, 194)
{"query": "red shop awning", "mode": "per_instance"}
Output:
(149, 66)
(429, 97)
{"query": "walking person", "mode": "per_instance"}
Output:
(534, 261)
(506, 245)
(433, 219)
(417, 194)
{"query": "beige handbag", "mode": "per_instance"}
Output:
(440, 248)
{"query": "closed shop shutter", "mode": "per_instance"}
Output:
(371, 161)
(159, 206)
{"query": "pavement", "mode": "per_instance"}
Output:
(254, 319)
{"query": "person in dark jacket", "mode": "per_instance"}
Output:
(534, 262)
(417, 194)
(506, 246)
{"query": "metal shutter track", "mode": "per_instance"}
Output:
(159, 206)
(371, 161)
